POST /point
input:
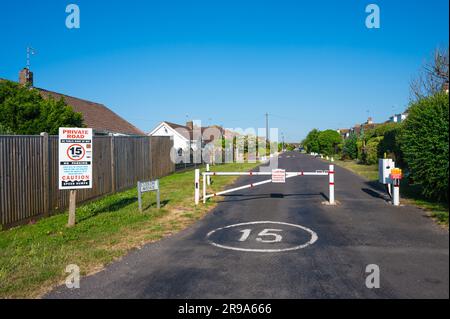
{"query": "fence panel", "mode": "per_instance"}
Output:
(21, 181)
(29, 172)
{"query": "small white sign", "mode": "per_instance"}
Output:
(75, 158)
(279, 176)
(149, 186)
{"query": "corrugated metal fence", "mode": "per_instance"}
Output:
(29, 172)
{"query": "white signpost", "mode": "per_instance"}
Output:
(75, 163)
(150, 186)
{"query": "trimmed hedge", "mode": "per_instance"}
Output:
(425, 145)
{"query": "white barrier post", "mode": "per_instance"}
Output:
(396, 192)
(204, 188)
(197, 186)
(208, 178)
(331, 192)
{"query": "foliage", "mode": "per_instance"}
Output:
(370, 153)
(311, 142)
(4, 130)
(24, 111)
(390, 145)
(350, 148)
(425, 144)
(329, 142)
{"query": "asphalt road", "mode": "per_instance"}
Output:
(411, 251)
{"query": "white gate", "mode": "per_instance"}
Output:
(277, 176)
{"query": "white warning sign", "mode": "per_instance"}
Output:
(279, 176)
(75, 158)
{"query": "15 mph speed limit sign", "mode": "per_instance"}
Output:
(75, 158)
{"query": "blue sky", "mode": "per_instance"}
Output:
(310, 64)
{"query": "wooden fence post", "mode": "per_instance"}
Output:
(46, 172)
(113, 167)
(72, 207)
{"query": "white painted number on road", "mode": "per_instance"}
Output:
(265, 233)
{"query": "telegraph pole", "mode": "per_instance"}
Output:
(267, 127)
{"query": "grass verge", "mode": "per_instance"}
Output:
(33, 258)
(411, 194)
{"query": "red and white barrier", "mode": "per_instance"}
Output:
(331, 182)
(207, 175)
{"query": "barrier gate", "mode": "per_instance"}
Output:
(277, 176)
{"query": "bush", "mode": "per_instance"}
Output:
(424, 143)
(370, 151)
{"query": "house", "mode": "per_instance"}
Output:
(188, 138)
(398, 118)
(96, 116)
(344, 132)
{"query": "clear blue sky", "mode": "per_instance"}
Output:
(312, 64)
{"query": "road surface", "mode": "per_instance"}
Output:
(322, 253)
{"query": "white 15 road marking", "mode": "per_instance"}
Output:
(266, 232)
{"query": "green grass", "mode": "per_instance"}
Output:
(411, 194)
(33, 257)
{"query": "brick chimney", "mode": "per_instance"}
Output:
(26, 77)
(190, 125)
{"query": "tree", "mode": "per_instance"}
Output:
(24, 111)
(433, 76)
(311, 142)
(425, 145)
(350, 149)
(328, 142)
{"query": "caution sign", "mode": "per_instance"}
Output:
(396, 173)
(75, 158)
(279, 176)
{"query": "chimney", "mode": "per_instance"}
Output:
(190, 125)
(26, 77)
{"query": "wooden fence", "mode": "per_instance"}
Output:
(29, 172)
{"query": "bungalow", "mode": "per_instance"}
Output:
(188, 138)
(96, 116)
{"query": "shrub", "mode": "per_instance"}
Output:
(370, 151)
(424, 143)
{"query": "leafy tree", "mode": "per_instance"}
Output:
(329, 141)
(311, 142)
(350, 149)
(425, 144)
(25, 111)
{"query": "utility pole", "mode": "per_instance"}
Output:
(267, 127)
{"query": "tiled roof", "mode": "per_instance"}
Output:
(96, 116)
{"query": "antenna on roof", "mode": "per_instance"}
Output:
(30, 52)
